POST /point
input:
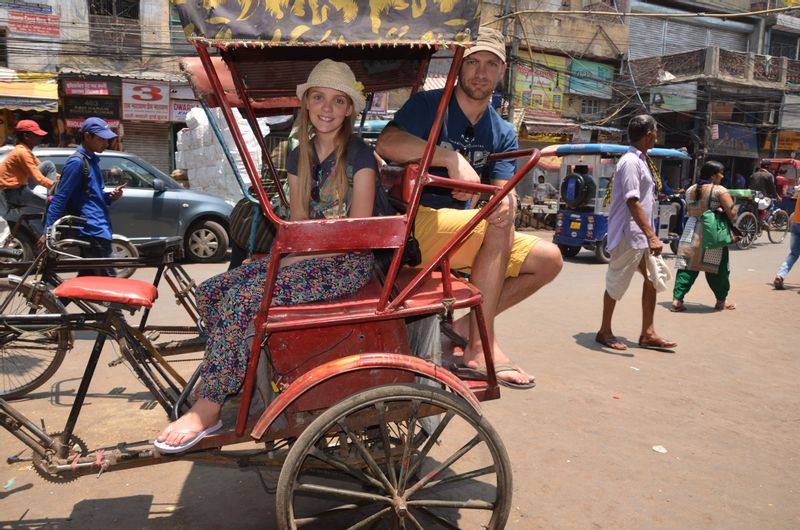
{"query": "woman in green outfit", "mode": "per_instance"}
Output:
(706, 194)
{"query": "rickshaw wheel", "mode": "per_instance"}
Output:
(29, 359)
(338, 475)
(778, 226)
(748, 225)
(673, 246)
(601, 253)
(568, 251)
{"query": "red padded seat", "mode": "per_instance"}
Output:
(103, 289)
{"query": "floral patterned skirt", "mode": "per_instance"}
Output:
(228, 302)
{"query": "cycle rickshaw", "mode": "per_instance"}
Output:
(755, 214)
(349, 397)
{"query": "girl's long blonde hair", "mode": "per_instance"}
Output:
(337, 182)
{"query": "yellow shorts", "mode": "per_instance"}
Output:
(435, 228)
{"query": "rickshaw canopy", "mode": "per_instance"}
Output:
(552, 154)
(235, 23)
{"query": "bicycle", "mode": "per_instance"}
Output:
(27, 362)
(23, 236)
(752, 222)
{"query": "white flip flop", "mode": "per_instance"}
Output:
(163, 447)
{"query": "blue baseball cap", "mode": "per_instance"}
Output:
(97, 127)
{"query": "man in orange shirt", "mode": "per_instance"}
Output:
(21, 165)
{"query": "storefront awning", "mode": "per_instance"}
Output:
(29, 95)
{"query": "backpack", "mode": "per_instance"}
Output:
(54, 188)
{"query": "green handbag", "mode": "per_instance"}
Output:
(716, 232)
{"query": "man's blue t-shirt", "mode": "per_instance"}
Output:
(492, 134)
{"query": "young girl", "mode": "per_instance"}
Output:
(321, 169)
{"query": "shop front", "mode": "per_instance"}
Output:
(734, 146)
(24, 98)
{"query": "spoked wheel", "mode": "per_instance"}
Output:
(29, 358)
(748, 225)
(363, 464)
(778, 226)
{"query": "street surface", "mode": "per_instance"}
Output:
(725, 406)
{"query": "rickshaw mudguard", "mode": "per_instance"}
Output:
(352, 363)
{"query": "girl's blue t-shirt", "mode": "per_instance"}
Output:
(492, 134)
(359, 156)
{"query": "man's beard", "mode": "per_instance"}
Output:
(476, 94)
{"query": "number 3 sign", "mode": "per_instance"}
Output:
(145, 101)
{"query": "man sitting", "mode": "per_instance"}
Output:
(506, 266)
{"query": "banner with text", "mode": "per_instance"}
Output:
(588, 78)
(539, 85)
(145, 101)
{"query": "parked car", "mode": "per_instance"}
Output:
(154, 206)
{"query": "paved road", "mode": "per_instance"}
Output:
(724, 405)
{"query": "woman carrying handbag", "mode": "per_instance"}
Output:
(695, 255)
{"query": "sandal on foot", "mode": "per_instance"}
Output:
(677, 308)
(719, 306)
(610, 342)
(163, 447)
(656, 343)
(777, 283)
(480, 374)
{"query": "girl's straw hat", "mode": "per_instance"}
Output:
(338, 76)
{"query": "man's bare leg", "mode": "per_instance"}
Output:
(488, 275)
(649, 335)
(541, 266)
(604, 335)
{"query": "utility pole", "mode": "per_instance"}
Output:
(511, 57)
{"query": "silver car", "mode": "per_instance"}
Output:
(154, 206)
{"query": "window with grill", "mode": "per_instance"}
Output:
(114, 27)
(590, 107)
(782, 45)
(180, 46)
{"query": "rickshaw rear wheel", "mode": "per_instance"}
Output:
(673, 246)
(362, 462)
(748, 225)
(778, 226)
(568, 251)
(601, 253)
(29, 359)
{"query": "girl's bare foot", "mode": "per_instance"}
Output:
(203, 415)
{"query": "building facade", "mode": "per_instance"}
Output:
(66, 60)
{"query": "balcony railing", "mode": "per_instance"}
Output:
(776, 73)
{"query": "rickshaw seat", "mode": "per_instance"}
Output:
(123, 291)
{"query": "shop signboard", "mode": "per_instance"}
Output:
(145, 101)
(82, 107)
(180, 108)
(733, 140)
(787, 141)
(75, 123)
(539, 85)
(85, 88)
(27, 7)
(588, 78)
(34, 24)
(680, 97)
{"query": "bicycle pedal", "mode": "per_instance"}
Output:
(119, 360)
(153, 335)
